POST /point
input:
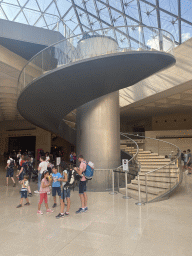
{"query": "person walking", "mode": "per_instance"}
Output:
(10, 170)
(82, 185)
(42, 167)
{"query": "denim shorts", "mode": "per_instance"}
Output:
(23, 194)
(65, 193)
(21, 176)
(82, 187)
(56, 190)
(10, 172)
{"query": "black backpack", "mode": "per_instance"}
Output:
(71, 182)
(27, 168)
(11, 165)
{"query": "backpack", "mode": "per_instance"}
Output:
(89, 171)
(11, 165)
(71, 183)
(27, 168)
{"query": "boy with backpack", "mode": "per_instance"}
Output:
(56, 187)
(10, 170)
(82, 185)
(65, 193)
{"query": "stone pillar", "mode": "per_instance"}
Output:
(98, 122)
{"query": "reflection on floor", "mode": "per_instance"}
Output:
(113, 226)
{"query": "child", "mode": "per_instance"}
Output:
(65, 194)
(24, 187)
(56, 186)
(10, 170)
(44, 189)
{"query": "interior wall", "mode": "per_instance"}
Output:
(164, 148)
(172, 122)
(127, 126)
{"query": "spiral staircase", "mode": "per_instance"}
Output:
(59, 79)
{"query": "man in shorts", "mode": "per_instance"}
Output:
(10, 170)
(82, 185)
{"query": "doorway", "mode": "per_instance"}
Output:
(23, 143)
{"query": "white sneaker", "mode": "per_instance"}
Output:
(36, 192)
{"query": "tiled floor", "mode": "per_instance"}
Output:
(113, 226)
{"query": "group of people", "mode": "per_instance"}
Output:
(187, 161)
(48, 178)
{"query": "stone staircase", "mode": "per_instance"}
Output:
(159, 182)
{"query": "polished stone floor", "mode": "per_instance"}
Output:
(113, 226)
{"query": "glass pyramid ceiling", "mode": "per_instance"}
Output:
(78, 16)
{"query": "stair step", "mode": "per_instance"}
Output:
(155, 166)
(143, 154)
(158, 179)
(165, 168)
(134, 194)
(175, 170)
(159, 174)
(150, 190)
(154, 160)
(155, 184)
(150, 157)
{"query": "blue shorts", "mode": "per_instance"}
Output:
(10, 172)
(82, 187)
(66, 194)
(56, 190)
(23, 194)
(21, 176)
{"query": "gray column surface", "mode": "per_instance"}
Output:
(98, 127)
(98, 121)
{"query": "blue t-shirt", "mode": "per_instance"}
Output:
(56, 183)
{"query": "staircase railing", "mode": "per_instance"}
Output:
(175, 159)
(132, 162)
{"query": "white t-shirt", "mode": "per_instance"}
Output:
(9, 160)
(43, 166)
(47, 159)
(18, 155)
(25, 186)
(63, 183)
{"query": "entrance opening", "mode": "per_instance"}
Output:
(23, 143)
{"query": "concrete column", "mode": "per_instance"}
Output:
(98, 127)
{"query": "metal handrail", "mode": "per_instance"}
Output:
(154, 29)
(171, 162)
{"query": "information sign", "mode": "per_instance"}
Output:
(125, 164)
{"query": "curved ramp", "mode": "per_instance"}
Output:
(49, 98)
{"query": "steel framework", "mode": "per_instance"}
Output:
(77, 15)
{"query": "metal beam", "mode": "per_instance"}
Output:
(63, 17)
(84, 4)
(77, 15)
(179, 20)
(42, 13)
(125, 21)
(97, 11)
(131, 17)
(140, 20)
(159, 25)
(111, 19)
(167, 12)
(121, 32)
(21, 10)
